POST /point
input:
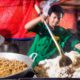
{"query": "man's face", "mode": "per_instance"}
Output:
(53, 20)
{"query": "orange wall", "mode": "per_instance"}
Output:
(69, 19)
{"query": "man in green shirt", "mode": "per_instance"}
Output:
(43, 44)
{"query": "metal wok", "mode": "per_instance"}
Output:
(19, 57)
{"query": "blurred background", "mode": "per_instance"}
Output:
(14, 14)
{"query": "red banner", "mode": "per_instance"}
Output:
(14, 14)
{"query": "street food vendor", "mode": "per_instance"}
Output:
(43, 44)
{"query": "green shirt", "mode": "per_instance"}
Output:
(43, 44)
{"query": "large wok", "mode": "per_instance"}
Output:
(19, 57)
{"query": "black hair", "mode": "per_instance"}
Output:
(57, 10)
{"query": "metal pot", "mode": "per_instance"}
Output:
(15, 56)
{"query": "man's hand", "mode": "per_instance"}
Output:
(43, 17)
(77, 46)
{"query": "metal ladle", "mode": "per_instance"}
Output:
(65, 60)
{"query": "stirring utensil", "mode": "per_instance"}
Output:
(64, 60)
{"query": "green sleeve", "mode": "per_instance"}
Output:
(65, 36)
(68, 40)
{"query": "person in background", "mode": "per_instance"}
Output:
(9, 47)
(78, 29)
(43, 44)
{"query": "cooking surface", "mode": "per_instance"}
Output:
(50, 67)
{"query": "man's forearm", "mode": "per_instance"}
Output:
(31, 24)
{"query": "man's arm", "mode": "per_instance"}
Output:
(30, 25)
